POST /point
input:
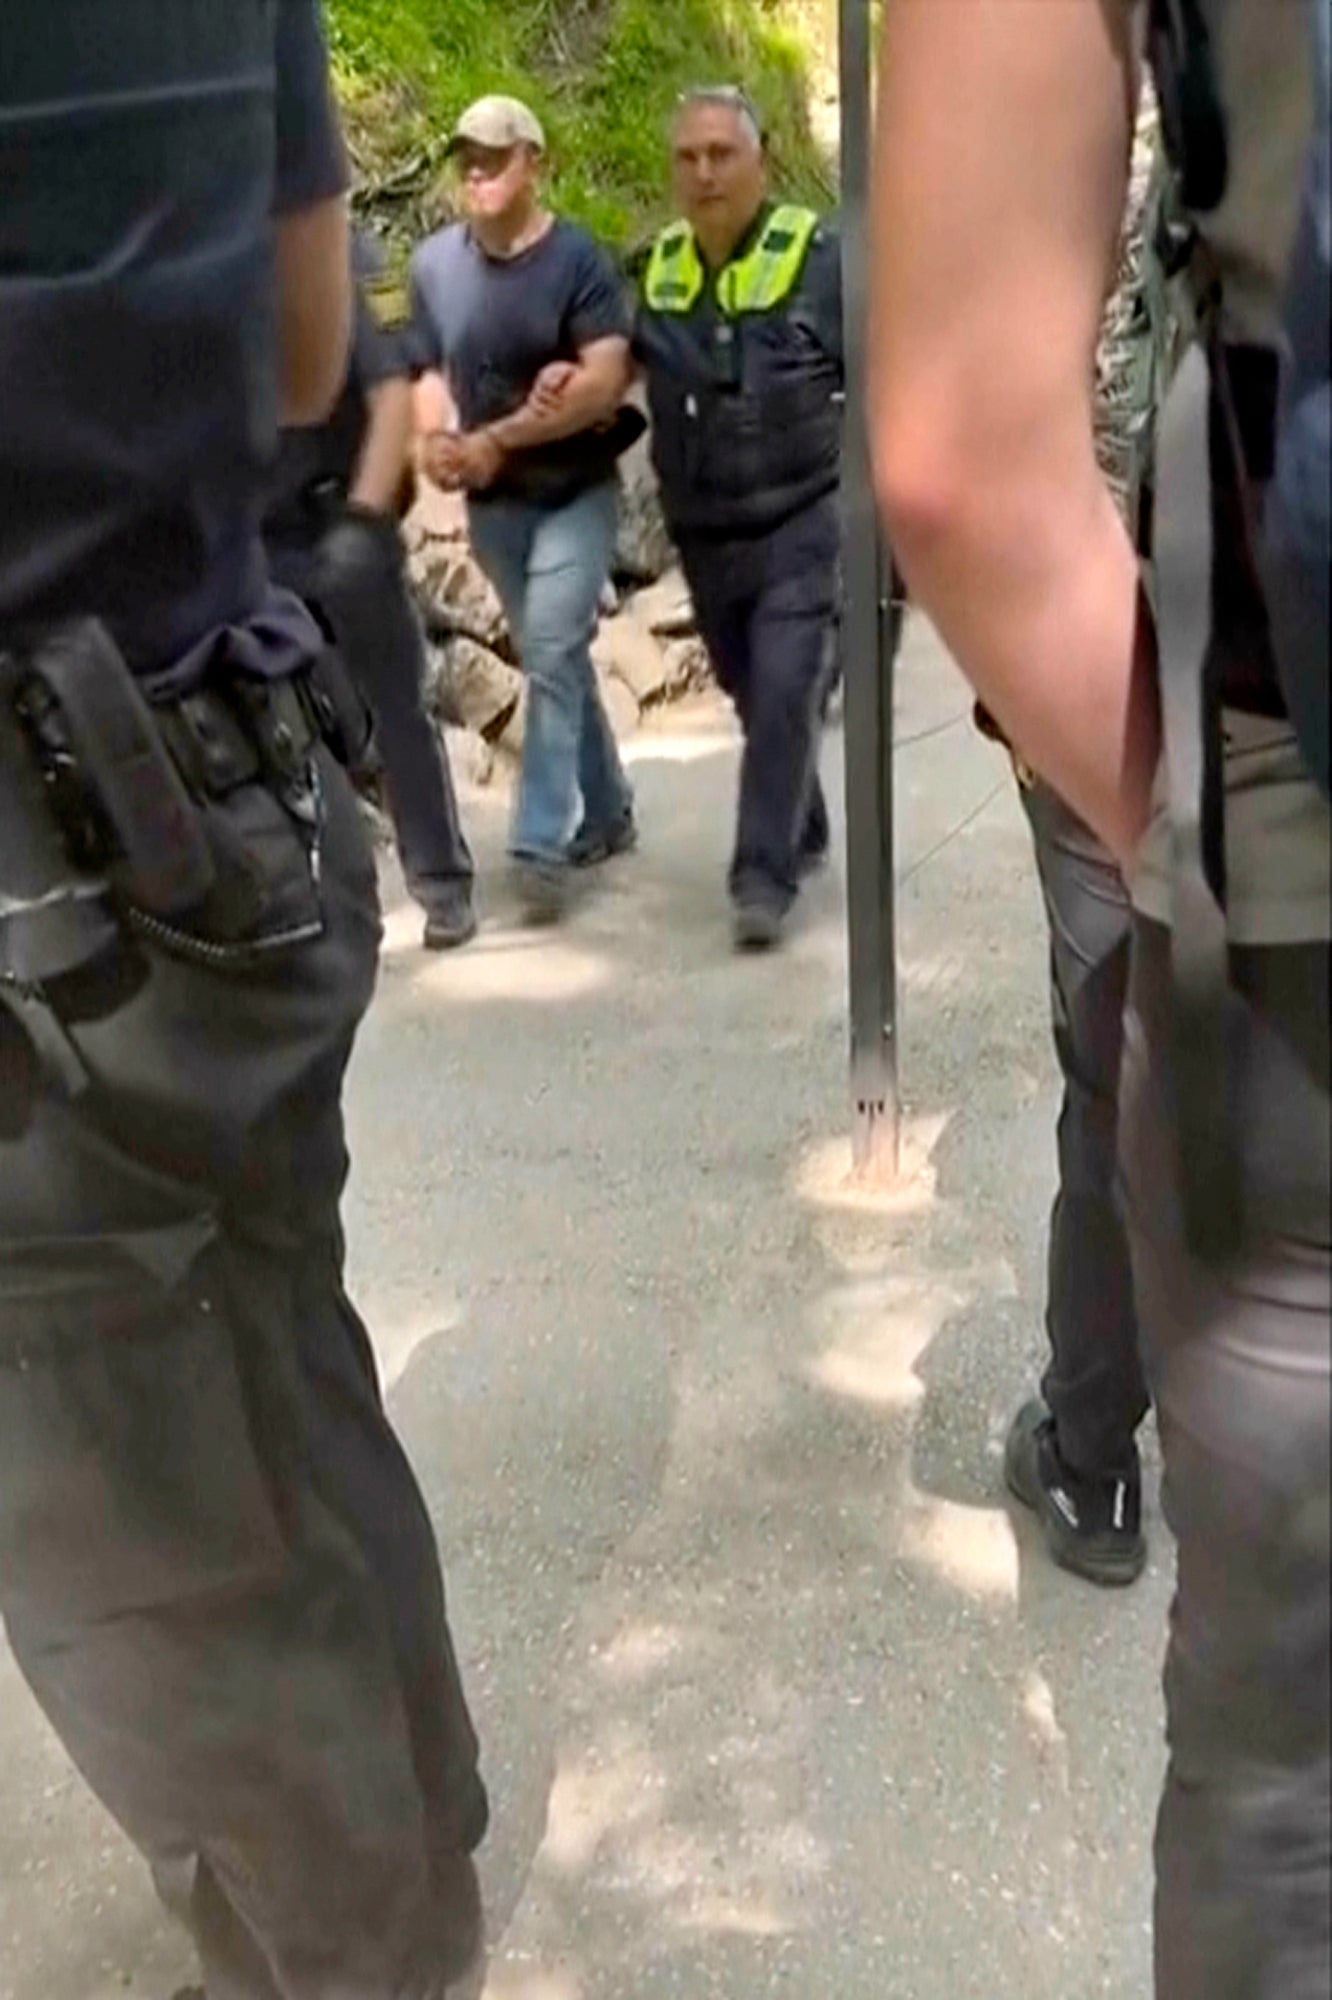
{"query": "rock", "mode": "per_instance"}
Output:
(456, 596)
(376, 821)
(510, 739)
(643, 549)
(471, 758)
(434, 516)
(471, 686)
(621, 706)
(666, 607)
(687, 666)
(627, 651)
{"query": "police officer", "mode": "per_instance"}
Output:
(740, 338)
(216, 1570)
(1009, 536)
(332, 535)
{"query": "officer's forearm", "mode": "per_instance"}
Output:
(1035, 591)
(377, 482)
(591, 396)
(314, 306)
(982, 427)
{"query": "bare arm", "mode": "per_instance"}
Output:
(377, 481)
(591, 393)
(314, 301)
(434, 404)
(1001, 172)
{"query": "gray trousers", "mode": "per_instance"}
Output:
(1094, 1385)
(1239, 1364)
(216, 1570)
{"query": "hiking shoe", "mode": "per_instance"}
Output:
(758, 919)
(450, 925)
(543, 890)
(592, 845)
(1093, 1527)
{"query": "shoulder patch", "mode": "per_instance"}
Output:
(388, 303)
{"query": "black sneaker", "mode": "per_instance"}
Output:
(1093, 1526)
(449, 926)
(592, 845)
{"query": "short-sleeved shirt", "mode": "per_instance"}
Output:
(490, 325)
(144, 151)
(1278, 829)
(325, 455)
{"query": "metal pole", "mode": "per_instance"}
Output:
(869, 636)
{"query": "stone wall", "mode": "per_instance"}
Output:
(647, 650)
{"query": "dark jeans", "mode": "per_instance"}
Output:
(1239, 1364)
(216, 1569)
(1094, 1386)
(765, 608)
(380, 638)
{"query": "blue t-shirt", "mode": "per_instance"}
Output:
(144, 150)
(490, 325)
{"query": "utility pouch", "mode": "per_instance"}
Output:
(55, 915)
(115, 794)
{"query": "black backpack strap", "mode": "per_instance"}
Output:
(1202, 1001)
(1193, 121)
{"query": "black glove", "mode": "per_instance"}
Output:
(357, 551)
(357, 567)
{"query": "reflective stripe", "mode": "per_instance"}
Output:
(675, 275)
(760, 281)
(766, 278)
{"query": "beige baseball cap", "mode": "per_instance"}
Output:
(500, 123)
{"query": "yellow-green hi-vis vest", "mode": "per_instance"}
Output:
(760, 281)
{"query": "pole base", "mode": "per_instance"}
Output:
(876, 1147)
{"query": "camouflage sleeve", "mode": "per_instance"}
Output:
(1135, 359)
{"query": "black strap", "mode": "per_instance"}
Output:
(1202, 1001)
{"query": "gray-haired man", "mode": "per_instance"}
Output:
(740, 337)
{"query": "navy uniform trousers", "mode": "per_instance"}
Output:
(766, 606)
(216, 1569)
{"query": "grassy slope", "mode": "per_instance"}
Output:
(603, 74)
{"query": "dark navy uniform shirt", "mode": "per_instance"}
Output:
(145, 147)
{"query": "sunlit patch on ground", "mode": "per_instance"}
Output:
(1038, 1709)
(516, 1982)
(972, 1548)
(503, 964)
(640, 1652)
(875, 1335)
(826, 1176)
(399, 1339)
(602, 1801)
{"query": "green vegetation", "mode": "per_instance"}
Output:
(603, 75)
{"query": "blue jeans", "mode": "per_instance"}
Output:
(550, 567)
